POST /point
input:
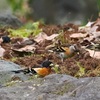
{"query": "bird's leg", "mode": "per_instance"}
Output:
(62, 60)
(30, 69)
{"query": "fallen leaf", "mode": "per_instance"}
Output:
(89, 24)
(96, 23)
(27, 48)
(96, 34)
(49, 46)
(85, 42)
(86, 28)
(78, 35)
(94, 54)
(93, 29)
(90, 27)
(2, 50)
(90, 38)
(42, 36)
(51, 37)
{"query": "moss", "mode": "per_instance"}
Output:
(11, 83)
(63, 89)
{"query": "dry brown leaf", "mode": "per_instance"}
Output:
(93, 29)
(51, 37)
(89, 24)
(42, 36)
(49, 46)
(96, 34)
(90, 38)
(27, 48)
(86, 28)
(96, 23)
(2, 50)
(78, 35)
(90, 27)
(94, 54)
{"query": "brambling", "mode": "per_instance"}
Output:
(43, 70)
(66, 52)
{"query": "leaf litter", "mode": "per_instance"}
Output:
(32, 51)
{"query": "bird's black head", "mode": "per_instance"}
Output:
(46, 64)
(6, 39)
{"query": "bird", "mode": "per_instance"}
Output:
(5, 39)
(64, 52)
(43, 70)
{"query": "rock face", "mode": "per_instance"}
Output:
(9, 20)
(62, 11)
(6, 73)
(54, 87)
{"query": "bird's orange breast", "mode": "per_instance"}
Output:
(67, 50)
(43, 71)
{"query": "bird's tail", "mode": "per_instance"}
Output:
(25, 71)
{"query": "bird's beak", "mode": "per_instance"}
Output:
(51, 51)
(51, 65)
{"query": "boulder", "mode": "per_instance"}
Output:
(10, 21)
(54, 87)
(7, 73)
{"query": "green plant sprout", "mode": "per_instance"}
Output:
(25, 32)
(19, 32)
(81, 71)
(98, 5)
(56, 68)
(14, 59)
(11, 83)
(36, 29)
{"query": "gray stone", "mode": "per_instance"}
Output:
(64, 11)
(54, 87)
(9, 20)
(6, 74)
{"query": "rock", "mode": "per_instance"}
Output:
(64, 11)
(54, 87)
(6, 73)
(9, 20)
